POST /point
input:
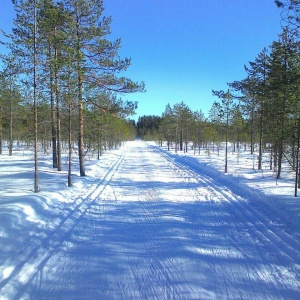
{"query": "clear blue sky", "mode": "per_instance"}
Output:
(182, 49)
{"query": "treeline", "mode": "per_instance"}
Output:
(147, 127)
(60, 81)
(261, 110)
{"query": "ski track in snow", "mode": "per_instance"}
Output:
(32, 263)
(155, 228)
(258, 229)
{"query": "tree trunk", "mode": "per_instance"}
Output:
(35, 121)
(57, 113)
(176, 138)
(280, 156)
(260, 150)
(275, 156)
(70, 140)
(53, 129)
(226, 144)
(186, 142)
(10, 147)
(80, 100)
(80, 134)
(181, 139)
(271, 158)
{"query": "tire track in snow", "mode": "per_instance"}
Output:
(251, 213)
(258, 227)
(151, 277)
(165, 271)
(226, 281)
(227, 275)
(234, 239)
(224, 270)
(32, 264)
(168, 269)
(150, 262)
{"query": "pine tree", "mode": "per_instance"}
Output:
(290, 13)
(24, 46)
(96, 58)
(226, 113)
(215, 117)
(10, 92)
(283, 78)
(258, 89)
(168, 125)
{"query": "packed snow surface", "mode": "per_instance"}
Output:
(146, 223)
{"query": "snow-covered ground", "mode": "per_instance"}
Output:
(146, 223)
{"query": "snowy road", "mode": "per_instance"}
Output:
(154, 228)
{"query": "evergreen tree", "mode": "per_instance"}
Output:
(25, 46)
(284, 75)
(167, 126)
(10, 94)
(53, 24)
(215, 130)
(258, 89)
(226, 112)
(96, 58)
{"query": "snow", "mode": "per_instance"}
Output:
(147, 223)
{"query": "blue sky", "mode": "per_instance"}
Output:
(184, 49)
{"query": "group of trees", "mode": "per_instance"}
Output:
(61, 79)
(262, 110)
(147, 127)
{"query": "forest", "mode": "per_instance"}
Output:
(260, 111)
(62, 80)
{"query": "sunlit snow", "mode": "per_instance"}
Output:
(147, 223)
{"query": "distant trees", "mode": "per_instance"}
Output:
(225, 112)
(183, 120)
(167, 126)
(198, 135)
(148, 127)
(261, 110)
(179, 125)
(10, 99)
